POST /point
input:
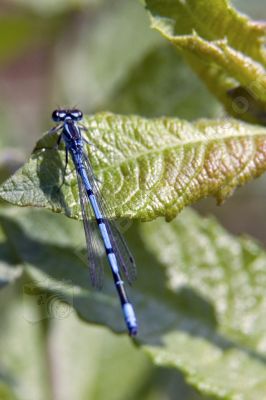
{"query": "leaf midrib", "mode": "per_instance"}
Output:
(184, 144)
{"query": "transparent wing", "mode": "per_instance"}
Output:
(95, 247)
(121, 250)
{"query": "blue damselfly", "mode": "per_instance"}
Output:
(96, 215)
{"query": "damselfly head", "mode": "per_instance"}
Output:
(61, 115)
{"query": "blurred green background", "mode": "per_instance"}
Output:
(96, 55)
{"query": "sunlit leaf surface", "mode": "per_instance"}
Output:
(146, 167)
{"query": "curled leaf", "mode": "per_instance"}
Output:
(225, 48)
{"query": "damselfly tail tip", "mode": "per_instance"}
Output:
(133, 331)
(130, 319)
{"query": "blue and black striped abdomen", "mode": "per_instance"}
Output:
(111, 249)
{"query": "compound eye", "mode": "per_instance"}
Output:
(77, 115)
(58, 115)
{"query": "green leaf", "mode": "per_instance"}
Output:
(200, 296)
(22, 347)
(204, 264)
(97, 353)
(52, 251)
(9, 269)
(10, 161)
(223, 47)
(147, 168)
(162, 71)
(8, 272)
